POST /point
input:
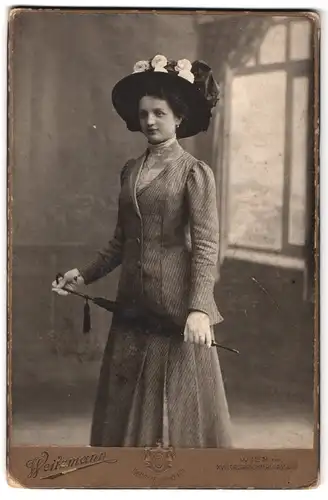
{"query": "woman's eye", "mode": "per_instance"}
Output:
(159, 113)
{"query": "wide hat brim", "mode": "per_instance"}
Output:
(127, 93)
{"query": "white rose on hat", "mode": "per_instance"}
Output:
(183, 65)
(141, 66)
(187, 75)
(160, 70)
(159, 62)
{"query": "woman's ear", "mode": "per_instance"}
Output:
(178, 122)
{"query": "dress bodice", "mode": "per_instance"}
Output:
(157, 157)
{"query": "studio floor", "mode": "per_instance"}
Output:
(247, 433)
(66, 421)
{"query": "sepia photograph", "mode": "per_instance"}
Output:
(163, 244)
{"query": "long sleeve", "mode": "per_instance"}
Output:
(204, 229)
(109, 257)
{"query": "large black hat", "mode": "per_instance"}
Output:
(192, 82)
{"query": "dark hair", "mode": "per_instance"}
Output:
(165, 92)
(173, 98)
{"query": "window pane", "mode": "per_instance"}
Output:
(273, 47)
(298, 162)
(256, 160)
(300, 40)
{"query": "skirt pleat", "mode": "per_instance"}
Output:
(155, 388)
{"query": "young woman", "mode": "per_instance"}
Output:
(160, 377)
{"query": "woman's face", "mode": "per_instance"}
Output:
(157, 120)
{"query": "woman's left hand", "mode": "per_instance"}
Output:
(198, 329)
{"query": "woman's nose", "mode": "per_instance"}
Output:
(150, 119)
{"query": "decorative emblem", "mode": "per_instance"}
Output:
(159, 459)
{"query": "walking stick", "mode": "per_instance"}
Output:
(112, 306)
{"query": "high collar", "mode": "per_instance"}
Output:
(159, 149)
(165, 151)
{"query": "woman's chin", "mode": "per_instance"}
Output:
(155, 138)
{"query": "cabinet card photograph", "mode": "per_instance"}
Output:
(163, 248)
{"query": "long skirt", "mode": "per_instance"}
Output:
(156, 388)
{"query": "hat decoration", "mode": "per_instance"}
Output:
(197, 73)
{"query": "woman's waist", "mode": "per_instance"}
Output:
(154, 251)
(169, 241)
(147, 321)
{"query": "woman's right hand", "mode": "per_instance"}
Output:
(70, 280)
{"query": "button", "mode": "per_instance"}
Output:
(138, 241)
(139, 264)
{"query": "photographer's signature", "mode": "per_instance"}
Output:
(47, 468)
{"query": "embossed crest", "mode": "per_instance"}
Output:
(159, 459)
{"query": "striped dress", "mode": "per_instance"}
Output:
(154, 386)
